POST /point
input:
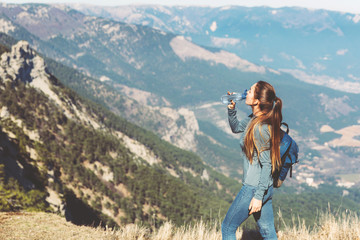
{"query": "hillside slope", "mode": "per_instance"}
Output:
(90, 161)
(316, 46)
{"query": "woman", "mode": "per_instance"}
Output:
(260, 143)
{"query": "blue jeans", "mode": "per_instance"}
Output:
(239, 212)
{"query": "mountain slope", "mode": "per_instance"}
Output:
(88, 159)
(165, 64)
(177, 126)
(314, 45)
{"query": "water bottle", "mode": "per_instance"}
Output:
(236, 97)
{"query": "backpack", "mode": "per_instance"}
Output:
(289, 156)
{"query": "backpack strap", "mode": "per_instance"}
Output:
(286, 153)
(290, 159)
(287, 126)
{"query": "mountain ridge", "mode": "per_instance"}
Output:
(242, 30)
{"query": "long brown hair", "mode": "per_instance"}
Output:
(272, 116)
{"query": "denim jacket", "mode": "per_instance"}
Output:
(258, 173)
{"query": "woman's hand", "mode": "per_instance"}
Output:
(232, 104)
(255, 206)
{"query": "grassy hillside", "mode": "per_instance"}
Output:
(23, 226)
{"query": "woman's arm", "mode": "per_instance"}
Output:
(236, 125)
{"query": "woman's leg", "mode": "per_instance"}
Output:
(265, 218)
(237, 213)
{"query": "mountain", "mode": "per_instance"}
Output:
(89, 164)
(121, 53)
(169, 128)
(161, 69)
(316, 46)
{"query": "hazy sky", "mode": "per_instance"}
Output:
(352, 6)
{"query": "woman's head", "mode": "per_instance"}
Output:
(262, 97)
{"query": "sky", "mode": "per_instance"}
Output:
(352, 6)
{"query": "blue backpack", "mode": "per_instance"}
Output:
(289, 156)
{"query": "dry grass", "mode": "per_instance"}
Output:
(329, 227)
(50, 226)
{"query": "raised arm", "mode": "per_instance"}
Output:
(236, 125)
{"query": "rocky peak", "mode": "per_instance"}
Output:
(22, 63)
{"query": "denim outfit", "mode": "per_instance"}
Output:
(257, 183)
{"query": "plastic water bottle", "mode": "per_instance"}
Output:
(236, 97)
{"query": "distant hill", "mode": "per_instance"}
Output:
(316, 46)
